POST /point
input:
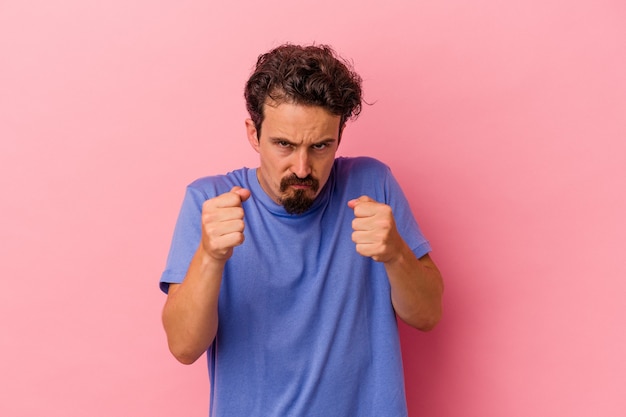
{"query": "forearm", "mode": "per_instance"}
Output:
(416, 289)
(190, 316)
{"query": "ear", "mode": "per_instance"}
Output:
(252, 134)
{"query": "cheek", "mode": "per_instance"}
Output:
(273, 166)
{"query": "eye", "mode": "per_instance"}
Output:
(320, 146)
(281, 144)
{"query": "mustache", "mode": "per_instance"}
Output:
(294, 180)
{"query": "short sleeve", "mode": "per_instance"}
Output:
(404, 218)
(185, 239)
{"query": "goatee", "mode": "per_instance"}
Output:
(300, 200)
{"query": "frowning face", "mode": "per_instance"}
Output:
(297, 149)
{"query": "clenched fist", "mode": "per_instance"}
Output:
(374, 229)
(222, 223)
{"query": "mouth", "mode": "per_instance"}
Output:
(295, 183)
(298, 198)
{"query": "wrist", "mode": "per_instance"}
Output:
(209, 263)
(399, 255)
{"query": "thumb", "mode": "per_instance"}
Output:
(243, 193)
(356, 201)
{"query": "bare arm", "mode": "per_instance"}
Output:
(416, 290)
(190, 312)
(416, 284)
(190, 315)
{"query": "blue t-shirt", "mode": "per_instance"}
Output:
(306, 324)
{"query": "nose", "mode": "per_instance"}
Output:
(301, 166)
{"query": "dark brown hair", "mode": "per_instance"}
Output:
(308, 75)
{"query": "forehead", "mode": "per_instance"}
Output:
(299, 119)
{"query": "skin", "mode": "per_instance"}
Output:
(300, 140)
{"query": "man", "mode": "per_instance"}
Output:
(290, 275)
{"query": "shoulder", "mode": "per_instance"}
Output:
(213, 185)
(362, 165)
(362, 176)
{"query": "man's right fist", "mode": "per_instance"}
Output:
(222, 223)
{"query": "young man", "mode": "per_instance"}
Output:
(290, 276)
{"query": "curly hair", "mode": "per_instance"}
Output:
(307, 75)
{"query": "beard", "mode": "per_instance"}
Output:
(298, 201)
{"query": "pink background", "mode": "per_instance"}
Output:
(504, 121)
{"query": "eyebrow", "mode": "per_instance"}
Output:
(280, 139)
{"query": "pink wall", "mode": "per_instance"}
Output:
(504, 121)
